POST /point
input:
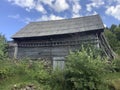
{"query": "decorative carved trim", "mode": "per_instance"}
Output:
(57, 43)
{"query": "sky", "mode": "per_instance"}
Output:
(15, 14)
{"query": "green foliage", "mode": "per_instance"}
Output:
(114, 84)
(113, 36)
(116, 64)
(3, 47)
(57, 80)
(112, 28)
(26, 85)
(27, 71)
(5, 69)
(113, 80)
(84, 71)
(117, 33)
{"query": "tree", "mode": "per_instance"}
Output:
(112, 28)
(3, 46)
(117, 33)
(111, 37)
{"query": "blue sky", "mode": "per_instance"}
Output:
(15, 14)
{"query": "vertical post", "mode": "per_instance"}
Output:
(98, 46)
(51, 51)
(15, 50)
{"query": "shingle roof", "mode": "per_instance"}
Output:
(56, 27)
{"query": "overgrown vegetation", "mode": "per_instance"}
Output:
(84, 70)
(113, 37)
(3, 46)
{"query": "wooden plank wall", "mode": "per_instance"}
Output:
(58, 46)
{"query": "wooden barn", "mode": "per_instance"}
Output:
(54, 39)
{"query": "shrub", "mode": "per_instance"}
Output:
(57, 80)
(116, 64)
(3, 47)
(23, 73)
(6, 68)
(84, 71)
(33, 69)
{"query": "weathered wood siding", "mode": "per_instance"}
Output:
(11, 50)
(54, 46)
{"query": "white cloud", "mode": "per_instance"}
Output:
(50, 17)
(40, 8)
(105, 25)
(94, 13)
(60, 5)
(42, 18)
(54, 17)
(17, 16)
(27, 20)
(118, 1)
(57, 5)
(89, 7)
(76, 7)
(27, 4)
(91, 13)
(94, 4)
(114, 11)
(76, 15)
(47, 2)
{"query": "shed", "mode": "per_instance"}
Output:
(54, 39)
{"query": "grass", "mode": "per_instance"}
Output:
(19, 74)
(10, 82)
(113, 80)
(21, 81)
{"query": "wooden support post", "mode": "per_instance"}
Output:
(15, 50)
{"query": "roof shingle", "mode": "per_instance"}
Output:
(56, 27)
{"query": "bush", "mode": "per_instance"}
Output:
(3, 47)
(33, 69)
(84, 71)
(21, 71)
(57, 80)
(6, 68)
(116, 64)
